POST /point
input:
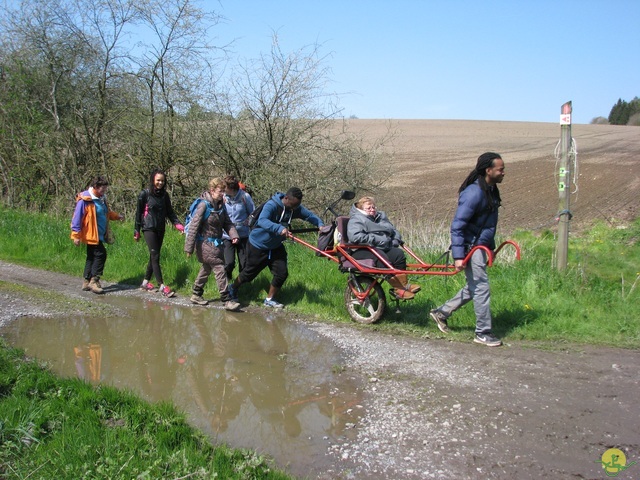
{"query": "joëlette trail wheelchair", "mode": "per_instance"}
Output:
(364, 295)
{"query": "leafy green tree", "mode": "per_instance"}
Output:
(622, 111)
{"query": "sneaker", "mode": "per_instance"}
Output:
(231, 305)
(198, 300)
(440, 319)
(487, 339)
(85, 285)
(272, 303)
(167, 292)
(94, 285)
(232, 292)
(149, 287)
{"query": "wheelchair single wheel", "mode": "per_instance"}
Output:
(365, 299)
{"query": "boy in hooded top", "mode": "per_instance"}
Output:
(266, 249)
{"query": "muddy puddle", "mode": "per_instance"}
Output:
(248, 380)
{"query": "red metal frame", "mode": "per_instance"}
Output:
(418, 268)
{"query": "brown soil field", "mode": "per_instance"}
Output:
(431, 158)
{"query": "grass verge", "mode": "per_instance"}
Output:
(594, 301)
(66, 428)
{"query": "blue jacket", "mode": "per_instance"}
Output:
(273, 218)
(239, 208)
(474, 222)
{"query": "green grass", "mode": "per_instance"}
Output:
(594, 301)
(66, 428)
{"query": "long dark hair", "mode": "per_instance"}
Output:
(486, 160)
(152, 177)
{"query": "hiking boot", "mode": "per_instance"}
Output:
(440, 319)
(272, 303)
(198, 300)
(487, 339)
(94, 285)
(401, 293)
(85, 285)
(231, 305)
(167, 292)
(149, 287)
(232, 292)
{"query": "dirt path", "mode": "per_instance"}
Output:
(439, 409)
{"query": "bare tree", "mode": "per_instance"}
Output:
(174, 61)
(280, 128)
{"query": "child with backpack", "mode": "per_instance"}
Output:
(208, 219)
(153, 210)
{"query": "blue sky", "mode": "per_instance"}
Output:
(515, 60)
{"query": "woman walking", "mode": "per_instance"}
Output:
(239, 205)
(90, 225)
(204, 236)
(153, 210)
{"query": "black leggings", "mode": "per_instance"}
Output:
(154, 241)
(230, 255)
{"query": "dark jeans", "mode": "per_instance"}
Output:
(230, 252)
(395, 256)
(257, 260)
(154, 241)
(96, 258)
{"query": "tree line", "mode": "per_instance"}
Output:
(622, 113)
(625, 113)
(119, 87)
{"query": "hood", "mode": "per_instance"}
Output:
(277, 197)
(356, 211)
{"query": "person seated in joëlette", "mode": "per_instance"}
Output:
(369, 226)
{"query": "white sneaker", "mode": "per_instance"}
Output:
(272, 303)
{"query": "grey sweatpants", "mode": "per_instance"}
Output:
(203, 276)
(476, 289)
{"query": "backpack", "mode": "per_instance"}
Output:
(252, 220)
(326, 238)
(192, 209)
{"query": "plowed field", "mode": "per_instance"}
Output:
(432, 157)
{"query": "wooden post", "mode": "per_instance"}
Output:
(564, 176)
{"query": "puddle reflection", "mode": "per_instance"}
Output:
(270, 385)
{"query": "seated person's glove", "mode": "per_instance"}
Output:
(395, 242)
(385, 244)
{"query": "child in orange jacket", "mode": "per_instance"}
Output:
(90, 225)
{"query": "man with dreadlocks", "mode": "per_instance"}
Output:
(474, 224)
